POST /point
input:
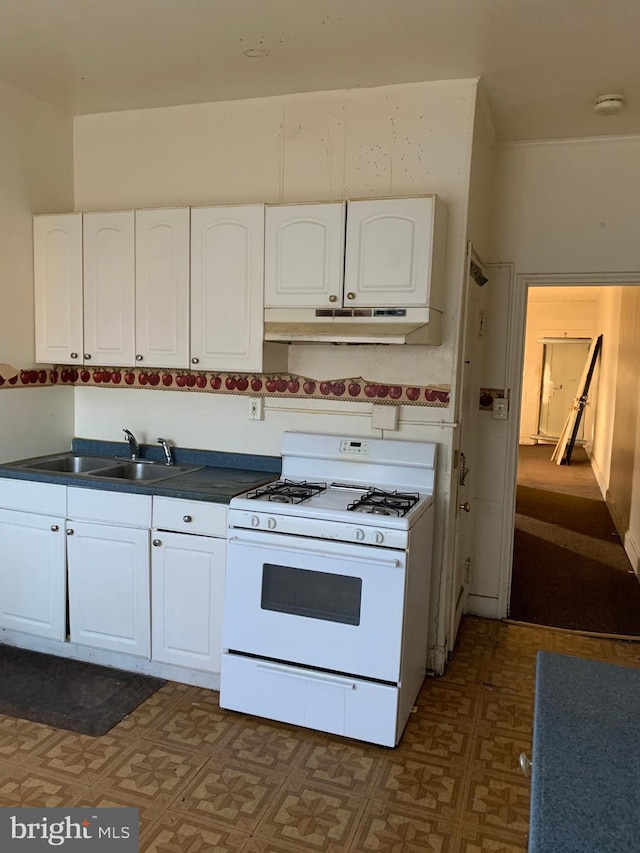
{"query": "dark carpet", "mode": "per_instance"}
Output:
(67, 694)
(569, 567)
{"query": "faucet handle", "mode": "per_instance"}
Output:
(167, 450)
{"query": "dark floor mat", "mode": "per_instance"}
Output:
(68, 694)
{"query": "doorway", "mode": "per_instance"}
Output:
(572, 307)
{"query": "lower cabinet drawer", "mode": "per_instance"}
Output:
(329, 703)
(184, 516)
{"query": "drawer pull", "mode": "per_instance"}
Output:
(187, 518)
(310, 676)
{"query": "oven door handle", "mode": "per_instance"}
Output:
(315, 678)
(307, 552)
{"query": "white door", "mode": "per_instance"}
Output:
(319, 603)
(467, 455)
(187, 588)
(109, 301)
(57, 269)
(304, 255)
(388, 253)
(162, 287)
(227, 287)
(32, 574)
(109, 587)
(562, 366)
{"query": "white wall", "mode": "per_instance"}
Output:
(36, 175)
(569, 206)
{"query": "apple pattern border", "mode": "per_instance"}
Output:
(355, 389)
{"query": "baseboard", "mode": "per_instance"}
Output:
(131, 663)
(600, 478)
(482, 605)
(632, 549)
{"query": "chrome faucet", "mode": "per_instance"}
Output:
(167, 450)
(133, 444)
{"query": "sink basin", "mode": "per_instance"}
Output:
(69, 464)
(142, 472)
(113, 468)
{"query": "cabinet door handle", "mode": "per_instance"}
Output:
(333, 298)
(55, 528)
(69, 531)
(138, 358)
(74, 355)
(351, 296)
(87, 356)
(187, 518)
(195, 360)
(156, 543)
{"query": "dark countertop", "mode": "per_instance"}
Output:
(223, 475)
(585, 774)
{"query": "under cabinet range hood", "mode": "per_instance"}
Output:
(353, 326)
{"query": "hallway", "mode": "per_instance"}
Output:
(569, 567)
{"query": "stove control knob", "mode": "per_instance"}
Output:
(271, 523)
(378, 537)
(358, 534)
(254, 521)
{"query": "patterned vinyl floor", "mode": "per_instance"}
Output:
(208, 780)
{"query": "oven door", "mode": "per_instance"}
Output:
(319, 603)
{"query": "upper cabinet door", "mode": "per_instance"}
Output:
(388, 254)
(304, 255)
(227, 274)
(57, 263)
(109, 302)
(162, 287)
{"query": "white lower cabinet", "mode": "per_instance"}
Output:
(32, 574)
(187, 585)
(109, 592)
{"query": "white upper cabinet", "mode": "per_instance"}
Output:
(304, 255)
(227, 278)
(162, 288)
(109, 300)
(389, 251)
(57, 261)
(393, 251)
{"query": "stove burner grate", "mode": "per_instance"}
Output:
(288, 491)
(379, 502)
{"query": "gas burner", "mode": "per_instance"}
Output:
(288, 491)
(378, 502)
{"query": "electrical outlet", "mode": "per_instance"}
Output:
(256, 408)
(500, 408)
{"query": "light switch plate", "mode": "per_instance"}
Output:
(256, 408)
(500, 408)
(384, 417)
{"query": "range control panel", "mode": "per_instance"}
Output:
(353, 447)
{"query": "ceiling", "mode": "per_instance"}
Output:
(543, 61)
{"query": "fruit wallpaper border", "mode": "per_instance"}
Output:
(289, 385)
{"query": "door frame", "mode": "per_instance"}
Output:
(514, 368)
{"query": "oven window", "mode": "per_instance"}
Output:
(317, 595)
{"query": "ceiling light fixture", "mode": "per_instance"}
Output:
(608, 105)
(255, 52)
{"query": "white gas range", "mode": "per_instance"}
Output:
(327, 587)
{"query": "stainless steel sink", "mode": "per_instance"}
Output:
(70, 463)
(143, 472)
(108, 467)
